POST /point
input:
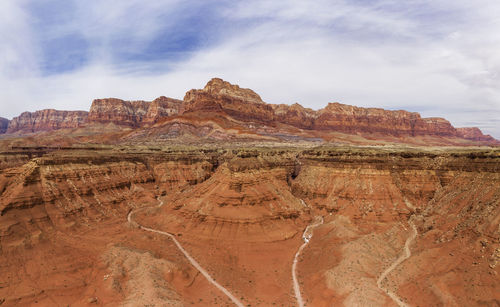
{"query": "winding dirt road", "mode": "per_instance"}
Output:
(405, 255)
(188, 257)
(306, 236)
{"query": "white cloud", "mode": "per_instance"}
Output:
(384, 55)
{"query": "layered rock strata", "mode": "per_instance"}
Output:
(4, 124)
(63, 224)
(121, 112)
(474, 134)
(246, 111)
(46, 120)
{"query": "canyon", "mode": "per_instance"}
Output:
(420, 224)
(221, 199)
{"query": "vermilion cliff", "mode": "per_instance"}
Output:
(474, 134)
(44, 120)
(223, 110)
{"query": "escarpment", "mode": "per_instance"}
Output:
(121, 112)
(235, 112)
(46, 120)
(67, 188)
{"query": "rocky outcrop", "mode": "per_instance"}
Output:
(474, 134)
(162, 107)
(217, 86)
(351, 119)
(46, 120)
(121, 112)
(222, 97)
(295, 115)
(4, 123)
(219, 96)
(63, 223)
(243, 112)
(133, 113)
(239, 200)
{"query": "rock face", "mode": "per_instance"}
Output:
(222, 97)
(63, 224)
(121, 112)
(239, 109)
(133, 113)
(219, 96)
(217, 86)
(4, 123)
(162, 107)
(239, 195)
(351, 119)
(474, 134)
(295, 115)
(46, 120)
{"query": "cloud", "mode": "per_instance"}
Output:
(437, 58)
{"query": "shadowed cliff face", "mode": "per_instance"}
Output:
(241, 213)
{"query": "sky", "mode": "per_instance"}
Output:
(440, 58)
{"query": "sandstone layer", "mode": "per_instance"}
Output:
(225, 111)
(240, 212)
(474, 133)
(121, 112)
(46, 120)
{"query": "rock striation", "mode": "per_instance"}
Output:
(242, 112)
(63, 223)
(162, 107)
(220, 96)
(295, 115)
(121, 112)
(45, 120)
(245, 105)
(4, 124)
(351, 119)
(474, 134)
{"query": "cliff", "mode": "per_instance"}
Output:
(351, 119)
(295, 115)
(474, 134)
(69, 220)
(121, 112)
(222, 97)
(162, 107)
(219, 96)
(4, 124)
(242, 112)
(45, 120)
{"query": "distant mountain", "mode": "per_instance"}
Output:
(222, 110)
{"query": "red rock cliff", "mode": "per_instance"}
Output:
(245, 105)
(221, 96)
(45, 120)
(162, 107)
(129, 113)
(295, 115)
(351, 119)
(474, 134)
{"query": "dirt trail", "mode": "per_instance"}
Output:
(188, 257)
(405, 255)
(306, 236)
